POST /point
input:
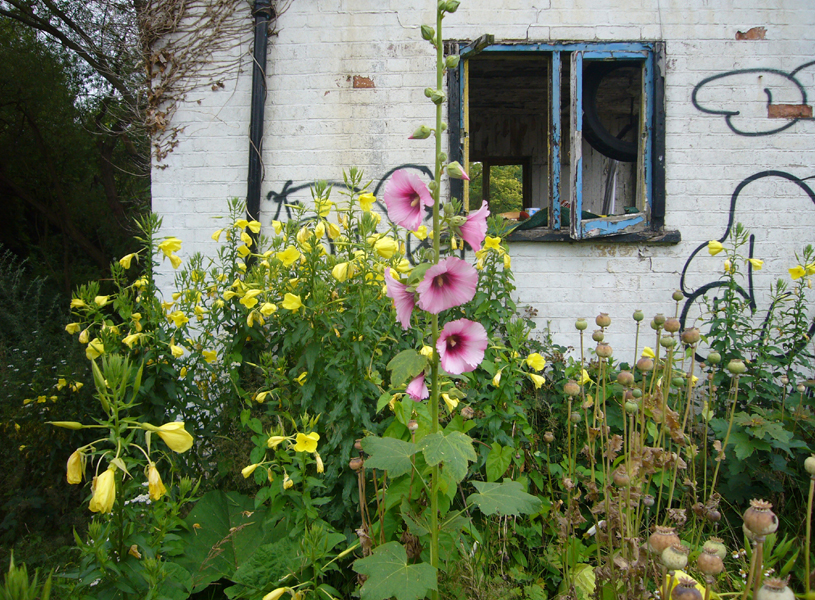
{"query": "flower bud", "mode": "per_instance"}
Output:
(421, 133)
(455, 170)
(451, 6)
(428, 33)
(451, 62)
(66, 424)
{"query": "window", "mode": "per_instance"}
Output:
(585, 123)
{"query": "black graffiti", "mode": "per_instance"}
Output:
(749, 293)
(786, 78)
(285, 203)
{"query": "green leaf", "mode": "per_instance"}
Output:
(389, 454)
(383, 401)
(506, 498)
(455, 450)
(390, 575)
(406, 365)
(498, 461)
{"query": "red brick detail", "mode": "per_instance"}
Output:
(789, 111)
(363, 82)
(756, 33)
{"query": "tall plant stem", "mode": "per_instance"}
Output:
(808, 535)
(727, 435)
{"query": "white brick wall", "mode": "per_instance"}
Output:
(317, 124)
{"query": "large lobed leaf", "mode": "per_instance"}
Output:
(389, 454)
(390, 575)
(455, 450)
(505, 498)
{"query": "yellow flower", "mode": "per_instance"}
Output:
(134, 551)
(479, 264)
(275, 594)
(61, 383)
(453, 243)
(386, 247)
(210, 356)
(377, 218)
(136, 318)
(249, 298)
(537, 380)
(301, 378)
(496, 381)
(421, 232)
(247, 471)
(261, 397)
(178, 318)
(292, 302)
(287, 482)
(333, 231)
(648, 353)
(306, 442)
(274, 440)
(320, 465)
(175, 261)
(77, 303)
(277, 226)
(154, 483)
(126, 260)
(585, 378)
(246, 238)
(536, 361)
(366, 200)
(493, 243)
(304, 235)
(797, 272)
(714, 247)
(268, 309)
(243, 251)
(757, 263)
(101, 300)
(427, 352)
(319, 230)
(217, 235)
(95, 349)
(289, 256)
(810, 269)
(177, 351)
(174, 435)
(254, 226)
(323, 206)
(104, 491)
(450, 402)
(76, 467)
(131, 339)
(72, 328)
(170, 246)
(729, 267)
(340, 271)
(183, 372)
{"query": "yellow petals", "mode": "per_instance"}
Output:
(134, 551)
(243, 251)
(104, 492)
(260, 397)
(101, 300)
(175, 261)
(301, 378)
(450, 402)
(333, 231)
(217, 235)
(538, 380)
(76, 467)
(536, 361)
(170, 246)
(274, 440)
(386, 247)
(427, 352)
(249, 299)
(496, 381)
(246, 239)
(174, 435)
(287, 482)
(61, 383)
(132, 339)
(323, 206)
(342, 271)
(757, 264)
(275, 594)
(797, 272)
(126, 260)
(366, 201)
(585, 378)
(292, 302)
(507, 261)
(247, 471)
(421, 232)
(810, 268)
(72, 328)
(210, 356)
(289, 256)
(306, 442)
(177, 351)
(648, 353)
(77, 303)
(254, 226)
(178, 318)
(319, 231)
(303, 236)
(493, 243)
(714, 247)
(277, 226)
(95, 349)
(268, 309)
(320, 465)
(154, 483)
(729, 267)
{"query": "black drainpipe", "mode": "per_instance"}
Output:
(263, 13)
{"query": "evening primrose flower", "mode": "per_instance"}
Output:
(757, 263)
(496, 380)
(333, 231)
(77, 303)
(536, 361)
(340, 272)
(507, 261)
(319, 230)
(386, 247)
(461, 346)
(275, 594)
(72, 328)
(76, 467)
(274, 440)
(243, 251)
(292, 302)
(287, 482)
(493, 243)
(126, 260)
(289, 256)
(174, 435)
(247, 471)
(175, 261)
(253, 226)
(421, 233)
(101, 301)
(648, 353)
(320, 465)
(797, 272)
(277, 226)
(169, 246)
(104, 491)
(810, 268)
(268, 309)
(306, 442)
(405, 196)
(729, 267)
(217, 235)
(249, 299)
(366, 201)
(449, 283)
(95, 349)
(177, 351)
(714, 247)
(210, 356)
(323, 206)
(154, 483)
(178, 318)
(130, 340)
(584, 379)
(538, 380)
(450, 402)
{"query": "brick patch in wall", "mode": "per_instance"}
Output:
(756, 33)
(363, 82)
(789, 111)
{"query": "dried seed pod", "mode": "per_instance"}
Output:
(603, 320)
(581, 324)
(413, 425)
(775, 589)
(603, 350)
(667, 341)
(800, 387)
(356, 463)
(625, 378)
(358, 445)
(575, 417)
(760, 518)
(675, 557)
(691, 336)
(645, 364)
(686, 590)
(784, 380)
(571, 388)
(467, 412)
(548, 437)
(672, 325)
(713, 515)
(648, 501)
(660, 319)
(598, 335)
(716, 545)
(809, 465)
(621, 478)
(709, 562)
(662, 537)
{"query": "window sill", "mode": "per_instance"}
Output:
(541, 234)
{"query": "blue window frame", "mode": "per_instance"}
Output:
(587, 117)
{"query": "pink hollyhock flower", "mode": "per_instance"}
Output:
(461, 346)
(406, 196)
(475, 229)
(449, 283)
(417, 388)
(403, 300)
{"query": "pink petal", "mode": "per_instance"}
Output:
(403, 300)
(406, 196)
(449, 283)
(417, 388)
(461, 346)
(475, 229)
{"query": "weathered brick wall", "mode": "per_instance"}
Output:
(346, 81)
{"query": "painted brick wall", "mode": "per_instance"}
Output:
(318, 122)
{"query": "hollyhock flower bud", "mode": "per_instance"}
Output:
(421, 133)
(456, 171)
